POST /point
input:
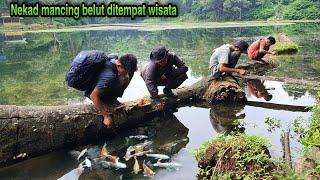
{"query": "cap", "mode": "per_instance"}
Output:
(158, 53)
(243, 45)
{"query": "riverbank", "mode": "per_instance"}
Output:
(37, 28)
(224, 157)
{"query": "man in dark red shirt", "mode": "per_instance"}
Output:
(260, 48)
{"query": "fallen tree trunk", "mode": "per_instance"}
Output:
(292, 108)
(28, 131)
(282, 79)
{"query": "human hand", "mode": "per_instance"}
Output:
(160, 106)
(107, 121)
(141, 102)
(241, 72)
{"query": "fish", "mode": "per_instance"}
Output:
(87, 163)
(137, 153)
(141, 146)
(147, 171)
(117, 165)
(158, 156)
(73, 174)
(104, 152)
(128, 153)
(82, 153)
(136, 166)
(137, 148)
(139, 137)
(167, 165)
(22, 155)
(113, 159)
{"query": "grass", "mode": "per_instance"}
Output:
(285, 48)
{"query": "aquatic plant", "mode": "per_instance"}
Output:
(285, 48)
(272, 123)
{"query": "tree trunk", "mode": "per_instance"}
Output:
(36, 130)
(282, 79)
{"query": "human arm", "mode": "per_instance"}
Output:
(224, 68)
(181, 66)
(262, 48)
(149, 78)
(95, 97)
(105, 81)
(223, 60)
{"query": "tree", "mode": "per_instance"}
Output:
(236, 6)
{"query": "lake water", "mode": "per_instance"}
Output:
(33, 65)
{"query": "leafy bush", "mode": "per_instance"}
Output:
(312, 133)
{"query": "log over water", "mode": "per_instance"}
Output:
(35, 130)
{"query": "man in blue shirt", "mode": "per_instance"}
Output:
(110, 83)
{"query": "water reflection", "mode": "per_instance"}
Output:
(42, 63)
(256, 88)
(224, 119)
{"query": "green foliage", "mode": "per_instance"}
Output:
(298, 127)
(312, 133)
(303, 9)
(244, 151)
(272, 123)
(213, 10)
(199, 153)
(285, 48)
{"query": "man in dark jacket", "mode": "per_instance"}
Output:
(165, 69)
(110, 83)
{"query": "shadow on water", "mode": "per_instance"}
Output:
(167, 134)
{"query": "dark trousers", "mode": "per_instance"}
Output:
(174, 80)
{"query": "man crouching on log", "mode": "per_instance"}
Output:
(225, 58)
(165, 69)
(102, 77)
